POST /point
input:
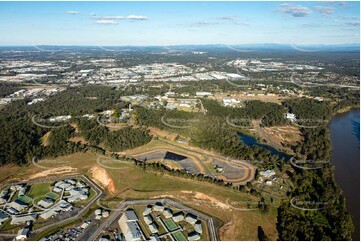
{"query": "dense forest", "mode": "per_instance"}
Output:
(333, 221)
(8, 88)
(21, 139)
(113, 141)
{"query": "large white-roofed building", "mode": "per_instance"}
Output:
(128, 224)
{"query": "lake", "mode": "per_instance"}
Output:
(252, 141)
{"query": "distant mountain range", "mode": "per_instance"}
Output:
(239, 47)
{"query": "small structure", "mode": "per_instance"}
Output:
(148, 219)
(62, 184)
(158, 207)
(203, 94)
(105, 214)
(85, 225)
(23, 191)
(153, 228)
(23, 218)
(177, 217)
(168, 213)
(190, 218)
(18, 205)
(269, 183)
(267, 173)
(48, 214)
(62, 206)
(3, 216)
(198, 227)
(78, 194)
(45, 203)
(98, 211)
(154, 237)
(147, 210)
(80, 184)
(291, 117)
(218, 168)
(3, 200)
(57, 189)
(192, 236)
(22, 234)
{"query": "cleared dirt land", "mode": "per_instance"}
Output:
(281, 137)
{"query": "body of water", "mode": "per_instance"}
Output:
(252, 141)
(345, 137)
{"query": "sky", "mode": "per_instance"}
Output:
(178, 23)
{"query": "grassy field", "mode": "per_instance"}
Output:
(39, 189)
(170, 224)
(52, 195)
(25, 199)
(179, 236)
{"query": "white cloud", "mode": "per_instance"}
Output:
(294, 10)
(136, 17)
(229, 17)
(72, 12)
(129, 17)
(104, 21)
(203, 23)
(325, 10)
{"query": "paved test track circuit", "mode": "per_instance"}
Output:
(246, 170)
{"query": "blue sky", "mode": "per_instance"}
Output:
(176, 23)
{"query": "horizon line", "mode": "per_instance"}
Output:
(225, 45)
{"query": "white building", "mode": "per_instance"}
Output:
(231, 102)
(267, 173)
(148, 219)
(198, 227)
(291, 117)
(190, 218)
(18, 205)
(45, 203)
(147, 210)
(48, 214)
(203, 94)
(193, 236)
(22, 234)
(167, 213)
(128, 224)
(178, 217)
(158, 207)
(24, 218)
(153, 228)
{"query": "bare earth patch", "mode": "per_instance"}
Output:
(78, 139)
(100, 174)
(44, 139)
(54, 171)
(213, 200)
(162, 133)
(286, 135)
